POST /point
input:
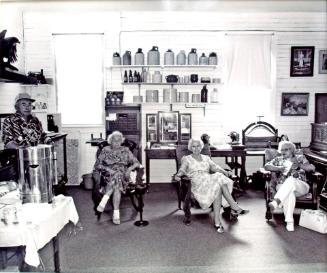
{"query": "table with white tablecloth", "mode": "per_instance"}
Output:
(38, 225)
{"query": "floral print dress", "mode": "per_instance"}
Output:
(205, 185)
(113, 163)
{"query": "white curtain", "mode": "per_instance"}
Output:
(248, 80)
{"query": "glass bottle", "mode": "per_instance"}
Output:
(125, 76)
(204, 94)
(214, 95)
(130, 77)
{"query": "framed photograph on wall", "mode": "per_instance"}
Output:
(186, 127)
(323, 61)
(295, 104)
(302, 58)
(151, 127)
(168, 126)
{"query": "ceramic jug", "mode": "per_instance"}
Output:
(169, 57)
(203, 60)
(213, 60)
(154, 56)
(116, 59)
(156, 77)
(127, 58)
(139, 57)
(181, 58)
(192, 57)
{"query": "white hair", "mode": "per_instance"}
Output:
(113, 134)
(190, 143)
(288, 144)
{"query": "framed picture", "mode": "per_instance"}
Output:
(322, 61)
(295, 104)
(168, 126)
(151, 127)
(185, 127)
(302, 58)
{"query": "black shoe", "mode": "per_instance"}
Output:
(236, 213)
(98, 214)
(187, 221)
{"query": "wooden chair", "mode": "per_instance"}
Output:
(308, 201)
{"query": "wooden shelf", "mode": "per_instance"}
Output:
(163, 66)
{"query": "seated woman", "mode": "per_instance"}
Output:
(208, 182)
(290, 179)
(115, 162)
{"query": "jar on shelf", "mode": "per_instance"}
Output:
(181, 58)
(214, 95)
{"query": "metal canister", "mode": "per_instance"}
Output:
(37, 173)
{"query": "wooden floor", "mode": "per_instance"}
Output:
(167, 245)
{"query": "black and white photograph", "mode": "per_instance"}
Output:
(323, 61)
(295, 104)
(302, 61)
(163, 136)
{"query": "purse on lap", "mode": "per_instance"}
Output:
(314, 219)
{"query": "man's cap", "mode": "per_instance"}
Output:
(23, 96)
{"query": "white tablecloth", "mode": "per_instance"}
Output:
(38, 224)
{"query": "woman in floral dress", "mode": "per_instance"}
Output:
(115, 162)
(208, 182)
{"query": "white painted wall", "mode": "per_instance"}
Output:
(294, 23)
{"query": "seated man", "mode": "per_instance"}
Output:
(115, 163)
(289, 179)
(22, 128)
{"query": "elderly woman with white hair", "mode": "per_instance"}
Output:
(208, 182)
(115, 162)
(290, 178)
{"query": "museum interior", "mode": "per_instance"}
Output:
(163, 136)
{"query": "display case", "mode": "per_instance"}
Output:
(185, 127)
(151, 127)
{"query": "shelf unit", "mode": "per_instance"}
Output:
(163, 66)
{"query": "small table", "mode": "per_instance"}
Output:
(171, 154)
(42, 223)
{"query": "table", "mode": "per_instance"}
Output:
(39, 224)
(171, 154)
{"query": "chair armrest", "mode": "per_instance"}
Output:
(266, 174)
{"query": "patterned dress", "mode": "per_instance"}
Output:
(279, 178)
(113, 163)
(22, 132)
(205, 185)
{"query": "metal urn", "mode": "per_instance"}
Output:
(37, 173)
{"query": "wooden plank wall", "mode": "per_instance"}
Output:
(122, 31)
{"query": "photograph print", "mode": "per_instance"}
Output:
(295, 104)
(302, 58)
(322, 61)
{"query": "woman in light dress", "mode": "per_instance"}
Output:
(208, 182)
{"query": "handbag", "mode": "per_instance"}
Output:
(314, 219)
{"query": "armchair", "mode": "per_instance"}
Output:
(310, 200)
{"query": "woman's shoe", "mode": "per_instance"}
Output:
(187, 221)
(220, 228)
(98, 214)
(236, 213)
(116, 221)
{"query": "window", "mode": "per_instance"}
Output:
(248, 91)
(79, 78)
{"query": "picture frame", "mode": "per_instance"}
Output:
(302, 61)
(323, 61)
(295, 104)
(185, 127)
(151, 128)
(168, 126)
